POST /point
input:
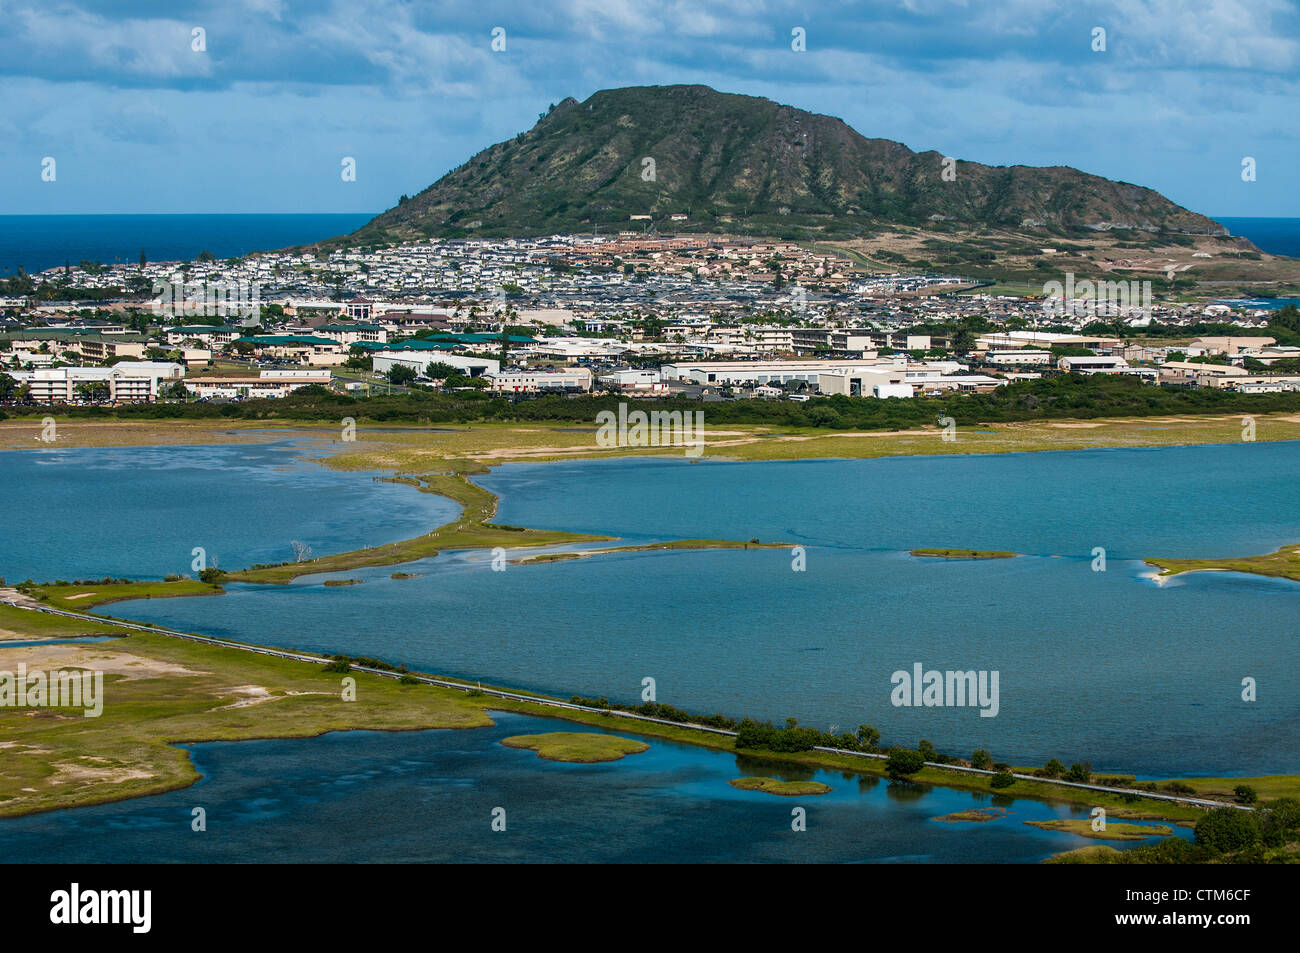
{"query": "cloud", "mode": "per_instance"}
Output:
(415, 89)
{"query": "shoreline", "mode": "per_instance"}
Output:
(1282, 563)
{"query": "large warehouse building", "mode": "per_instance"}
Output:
(385, 361)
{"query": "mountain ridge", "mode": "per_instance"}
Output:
(747, 165)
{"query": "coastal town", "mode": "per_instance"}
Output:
(712, 319)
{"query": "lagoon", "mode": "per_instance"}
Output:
(1100, 666)
(139, 512)
(428, 797)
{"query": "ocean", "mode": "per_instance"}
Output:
(36, 242)
(1277, 236)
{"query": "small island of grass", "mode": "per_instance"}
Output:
(1285, 564)
(344, 582)
(1114, 830)
(974, 815)
(783, 788)
(965, 553)
(577, 746)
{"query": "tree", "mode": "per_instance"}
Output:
(963, 341)
(92, 392)
(868, 737)
(401, 374)
(981, 759)
(903, 763)
(1080, 772)
(1003, 779)
(301, 551)
(1245, 794)
(1280, 822)
(1227, 829)
(1053, 769)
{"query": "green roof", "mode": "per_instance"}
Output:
(274, 340)
(416, 345)
(481, 338)
(67, 334)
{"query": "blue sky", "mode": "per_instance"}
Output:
(137, 121)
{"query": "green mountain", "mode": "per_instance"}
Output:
(746, 165)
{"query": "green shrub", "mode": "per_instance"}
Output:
(903, 763)
(1227, 829)
(1002, 779)
(1080, 772)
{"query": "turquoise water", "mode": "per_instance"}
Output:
(140, 512)
(428, 797)
(1106, 666)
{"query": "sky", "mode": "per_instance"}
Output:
(253, 105)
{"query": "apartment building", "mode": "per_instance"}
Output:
(269, 383)
(128, 382)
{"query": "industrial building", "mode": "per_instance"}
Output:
(532, 382)
(762, 372)
(385, 361)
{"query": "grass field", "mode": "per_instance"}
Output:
(78, 597)
(26, 625)
(416, 452)
(160, 691)
(579, 747)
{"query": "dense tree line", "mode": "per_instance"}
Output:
(1060, 397)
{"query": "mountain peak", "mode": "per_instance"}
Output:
(747, 165)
